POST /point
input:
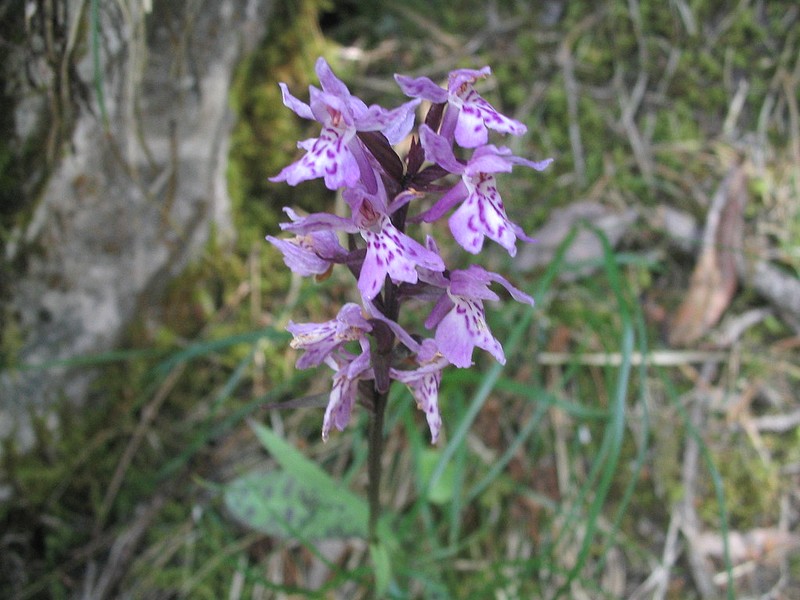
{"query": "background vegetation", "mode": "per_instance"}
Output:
(611, 458)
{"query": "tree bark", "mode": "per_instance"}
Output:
(134, 191)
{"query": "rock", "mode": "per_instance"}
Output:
(585, 247)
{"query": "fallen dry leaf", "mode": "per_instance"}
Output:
(714, 278)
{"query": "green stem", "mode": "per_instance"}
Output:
(374, 464)
(391, 308)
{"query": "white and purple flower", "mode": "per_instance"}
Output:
(389, 251)
(482, 213)
(424, 381)
(349, 370)
(319, 340)
(313, 253)
(337, 155)
(460, 319)
(469, 116)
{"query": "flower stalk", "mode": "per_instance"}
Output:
(374, 461)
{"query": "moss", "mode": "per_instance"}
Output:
(752, 488)
(265, 136)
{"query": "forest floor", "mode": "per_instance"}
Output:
(642, 441)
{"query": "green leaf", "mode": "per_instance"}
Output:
(441, 490)
(300, 501)
(280, 504)
(383, 567)
(296, 463)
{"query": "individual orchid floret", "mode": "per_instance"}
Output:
(468, 116)
(319, 340)
(482, 213)
(309, 254)
(424, 382)
(337, 155)
(349, 370)
(389, 251)
(460, 319)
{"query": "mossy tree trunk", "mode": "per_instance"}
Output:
(116, 126)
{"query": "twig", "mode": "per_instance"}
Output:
(148, 414)
(659, 358)
(629, 105)
(690, 522)
(123, 548)
(781, 289)
(735, 108)
(564, 58)
(668, 558)
(777, 423)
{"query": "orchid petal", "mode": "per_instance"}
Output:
(476, 219)
(330, 83)
(317, 222)
(297, 106)
(305, 255)
(452, 197)
(472, 283)
(538, 165)
(394, 124)
(319, 340)
(401, 333)
(421, 87)
(340, 405)
(463, 328)
(442, 307)
(438, 150)
(516, 293)
(394, 253)
(470, 130)
(461, 77)
(328, 157)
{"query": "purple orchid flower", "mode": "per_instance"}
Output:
(482, 213)
(460, 319)
(469, 116)
(389, 251)
(310, 254)
(349, 370)
(319, 340)
(337, 155)
(424, 382)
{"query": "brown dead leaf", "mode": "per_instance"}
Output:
(714, 279)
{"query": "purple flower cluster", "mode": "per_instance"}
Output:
(365, 345)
